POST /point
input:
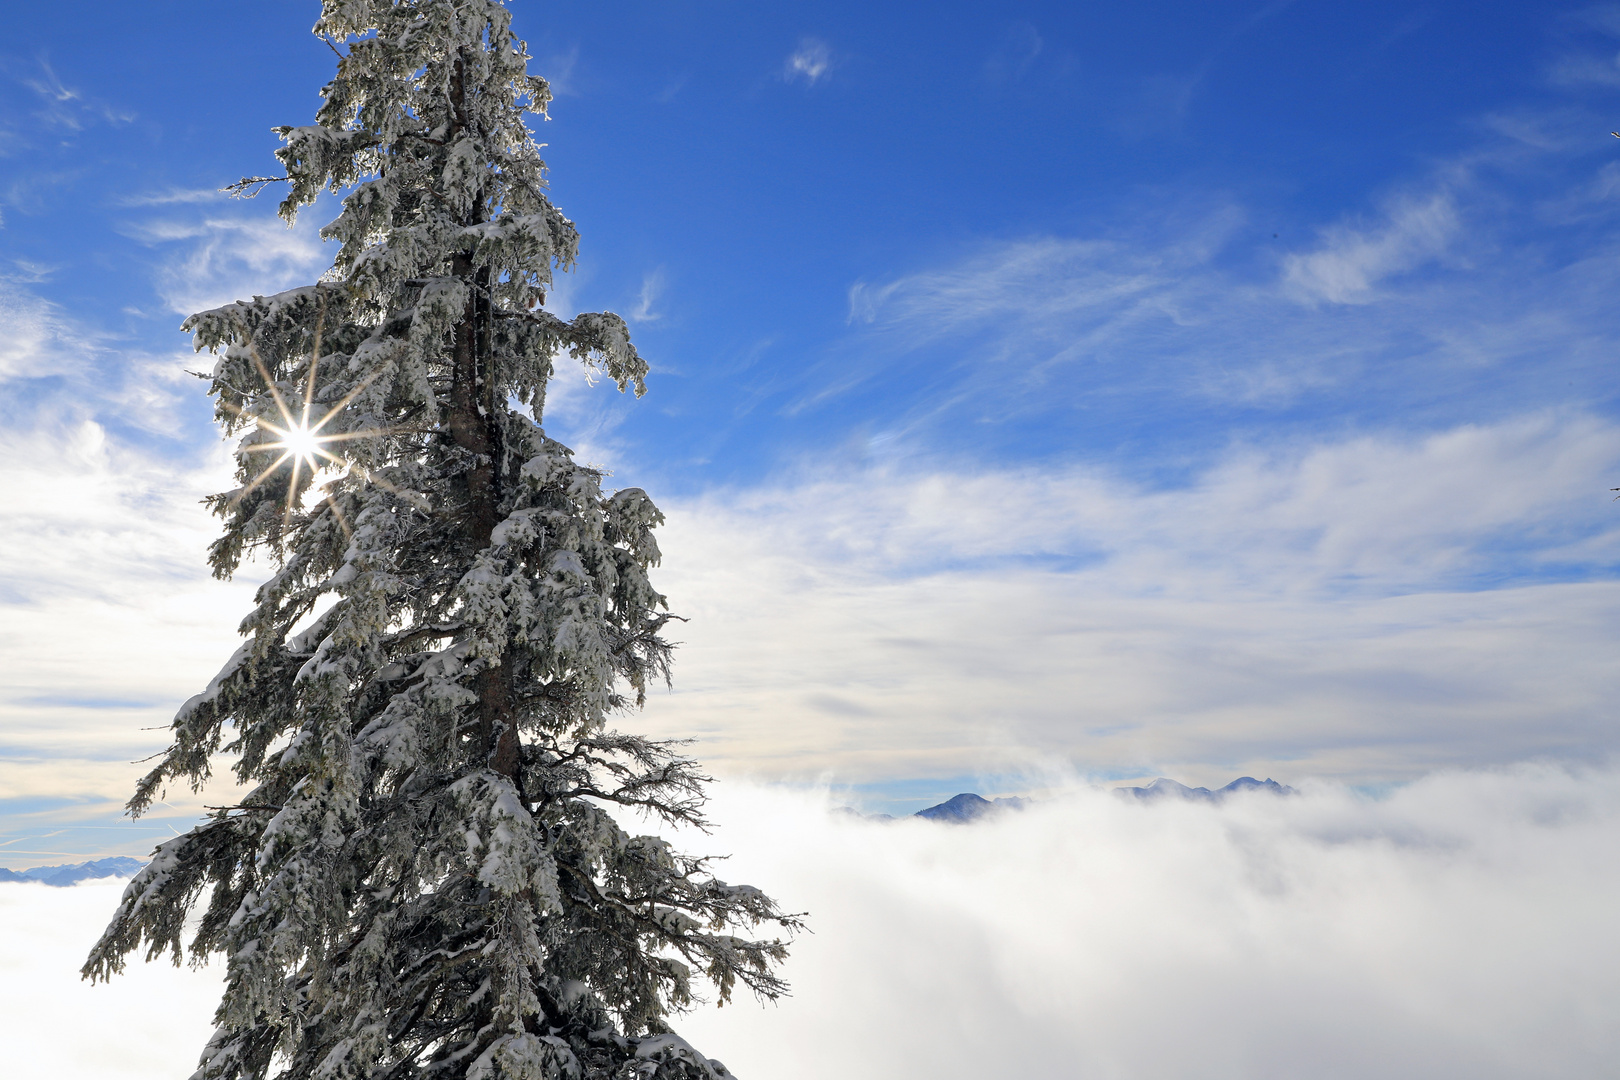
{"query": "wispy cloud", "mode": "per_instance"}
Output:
(62, 373)
(671, 90)
(811, 62)
(34, 192)
(1009, 326)
(560, 72)
(1024, 281)
(653, 284)
(67, 109)
(34, 338)
(1160, 101)
(68, 386)
(1582, 70)
(216, 260)
(1403, 305)
(1588, 57)
(1351, 261)
(173, 196)
(60, 108)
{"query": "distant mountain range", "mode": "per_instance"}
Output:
(966, 807)
(1165, 788)
(118, 866)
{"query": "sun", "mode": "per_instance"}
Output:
(302, 442)
(298, 437)
(299, 441)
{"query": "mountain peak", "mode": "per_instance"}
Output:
(964, 807)
(969, 807)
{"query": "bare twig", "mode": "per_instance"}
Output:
(249, 186)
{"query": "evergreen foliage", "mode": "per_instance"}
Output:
(425, 880)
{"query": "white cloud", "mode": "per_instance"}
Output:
(810, 61)
(1294, 606)
(1351, 261)
(1462, 925)
(34, 339)
(173, 196)
(108, 617)
(1378, 514)
(90, 516)
(1305, 609)
(1320, 609)
(226, 259)
(151, 1022)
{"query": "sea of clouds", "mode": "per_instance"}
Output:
(1458, 925)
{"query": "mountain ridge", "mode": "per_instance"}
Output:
(71, 874)
(969, 806)
(1165, 788)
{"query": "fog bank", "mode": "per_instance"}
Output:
(1462, 925)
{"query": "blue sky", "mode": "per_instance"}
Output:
(1088, 389)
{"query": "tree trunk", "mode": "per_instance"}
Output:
(472, 427)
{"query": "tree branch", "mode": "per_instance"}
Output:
(249, 186)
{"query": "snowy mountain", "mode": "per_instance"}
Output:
(1165, 788)
(967, 807)
(118, 866)
(957, 810)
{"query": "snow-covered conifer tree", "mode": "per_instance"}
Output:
(425, 880)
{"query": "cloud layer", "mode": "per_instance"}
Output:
(1460, 927)
(1463, 925)
(109, 621)
(1332, 608)
(151, 1023)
